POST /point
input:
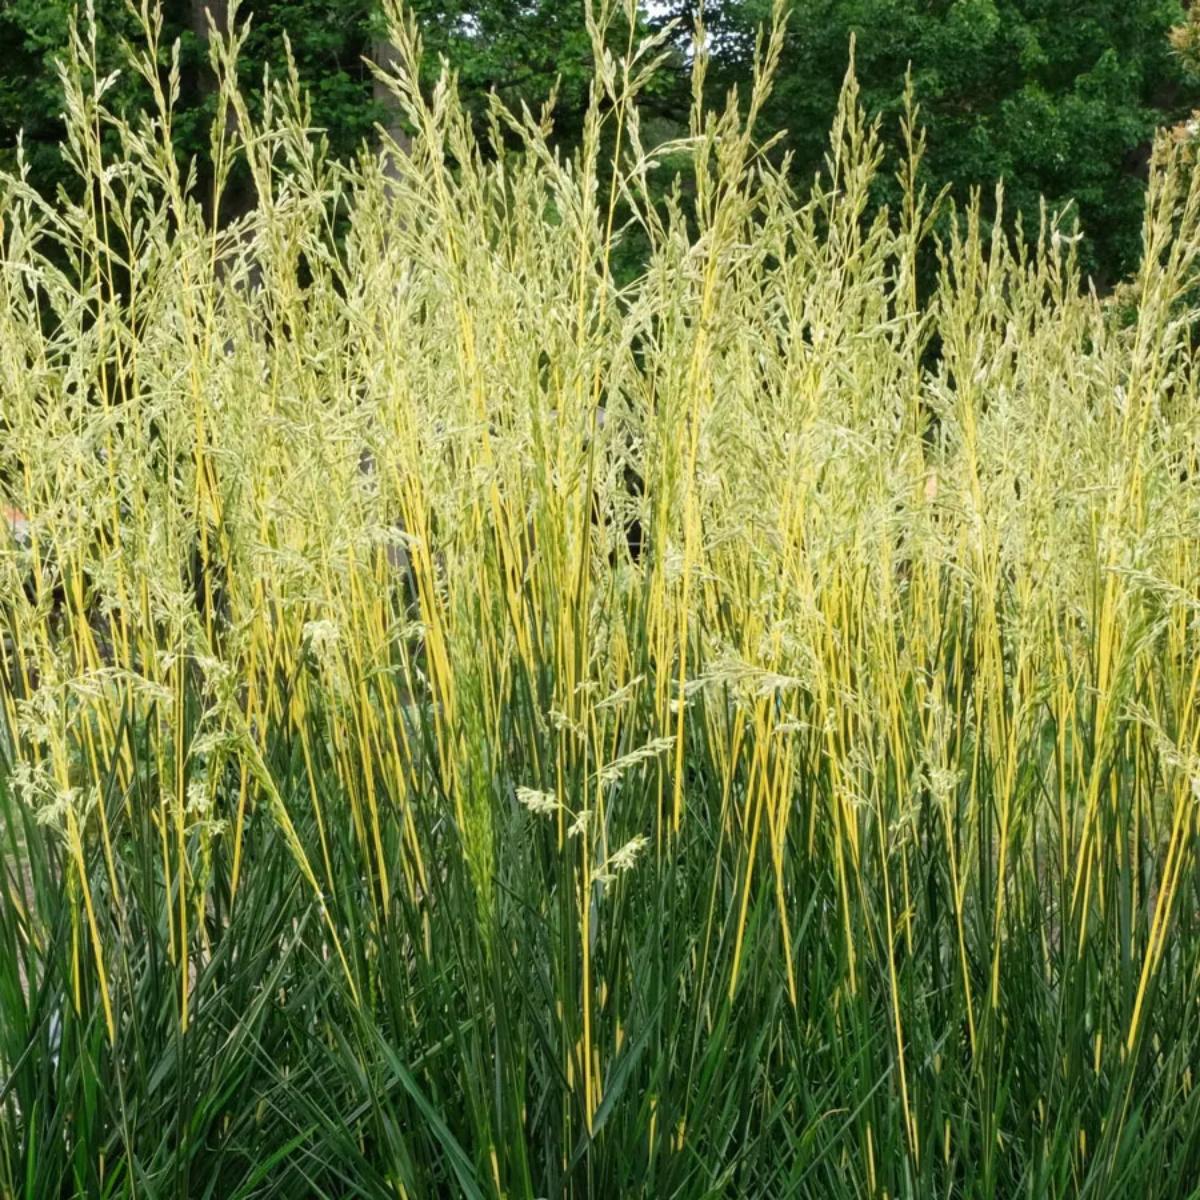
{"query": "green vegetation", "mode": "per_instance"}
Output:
(523, 51)
(1059, 99)
(472, 727)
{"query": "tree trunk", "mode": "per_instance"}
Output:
(384, 55)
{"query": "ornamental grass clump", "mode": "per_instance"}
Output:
(380, 818)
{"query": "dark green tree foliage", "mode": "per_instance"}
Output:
(1058, 97)
(33, 33)
(521, 50)
(328, 41)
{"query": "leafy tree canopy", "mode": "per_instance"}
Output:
(1059, 98)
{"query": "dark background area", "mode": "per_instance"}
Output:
(1061, 98)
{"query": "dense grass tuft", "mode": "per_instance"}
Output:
(470, 727)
